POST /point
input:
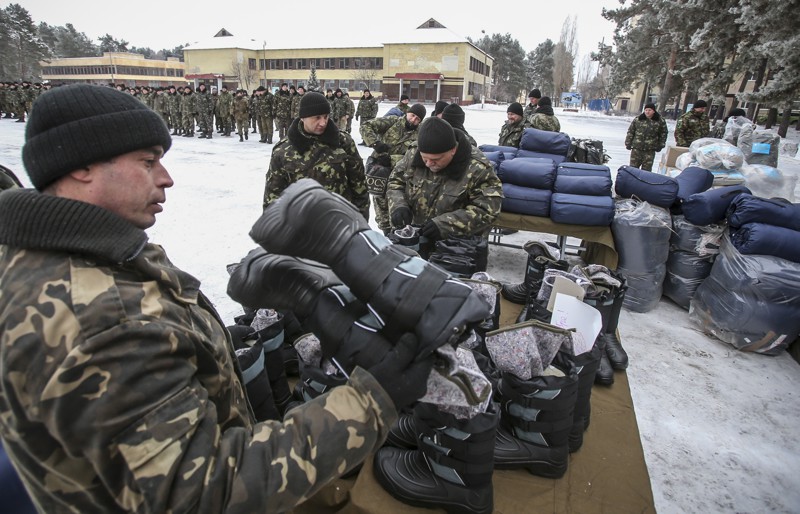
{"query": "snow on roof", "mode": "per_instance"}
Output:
(354, 39)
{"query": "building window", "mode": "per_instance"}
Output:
(344, 63)
(273, 64)
(300, 64)
(262, 64)
(251, 64)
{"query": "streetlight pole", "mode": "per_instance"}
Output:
(264, 48)
(483, 72)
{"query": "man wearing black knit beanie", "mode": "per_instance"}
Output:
(447, 186)
(314, 147)
(120, 390)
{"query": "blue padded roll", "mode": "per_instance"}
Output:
(526, 200)
(582, 169)
(557, 159)
(653, 188)
(763, 239)
(590, 185)
(522, 171)
(754, 209)
(582, 209)
(709, 207)
(545, 141)
(693, 180)
(498, 148)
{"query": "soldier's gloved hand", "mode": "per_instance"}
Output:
(627, 147)
(380, 147)
(384, 160)
(401, 217)
(404, 380)
(430, 230)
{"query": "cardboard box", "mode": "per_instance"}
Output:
(669, 157)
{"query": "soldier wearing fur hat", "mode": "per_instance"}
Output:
(511, 131)
(119, 385)
(692, 125)
(647, 134)
(390, 138)
(445, 185)
(315, 148)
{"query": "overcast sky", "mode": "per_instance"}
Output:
(168, 24)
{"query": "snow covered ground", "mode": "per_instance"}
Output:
(718, 426)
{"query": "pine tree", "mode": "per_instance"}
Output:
(313, 83)
(25, 48)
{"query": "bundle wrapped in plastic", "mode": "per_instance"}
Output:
(751, 302)
(716, 154)
(692, 252)
(759, 146)
(641, 236)
(734, 127)
(768, 181)
(685, 160)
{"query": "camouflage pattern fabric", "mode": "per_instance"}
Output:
(224, 110)
(644, 138)
(543, 121)
(174, 106)
(511, 134)
(161, 106)
(188, 112)
(295, 110)
(367, 109)
(241, 113)
(331, 159)
(527, 349)
(642, 159)
(691, 126)
(463, 199)
(119, 387)
(529, 111)
(204, 107)
(266, 114)
(283, 112)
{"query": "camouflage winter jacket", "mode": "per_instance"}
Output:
(120, 390)
(367, 108)
(296, 104)
(241, 108)
(187, 104)
(224, 104)
(394, 131)
(283, 104)
(529, 111)
(265, 104)
(691, 126)
(331, 159)
(544, 121)
(462, 199)
(647, 134)
(511, 134)
(204, 102)
(340, 107)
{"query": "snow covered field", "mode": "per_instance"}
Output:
(718, 426)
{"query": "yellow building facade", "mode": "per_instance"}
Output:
(114, 67)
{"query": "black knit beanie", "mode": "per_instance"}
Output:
(419, 110)
(454, 115)
(650, 106)
(700, 103)
(73, 126)
(545, 101)
(435, 136)
(314, 104)
(403, 97)
(516, 108)
(535, 93)
(439, 107)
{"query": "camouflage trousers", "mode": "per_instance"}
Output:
(188, 123)
(283, 125)
(643, 159)
(265, 127)
(342, 124)
(205, 122)
(224, 123)
(242, 125)
(382, 218)
(175, 119)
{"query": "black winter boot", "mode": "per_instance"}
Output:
(452, 467)
(586, 365)
(250, 355)
(314, 382)
(536, 420)
(322, 304)
(312, 223)
(241, 139)
(603, 301)
(534, 309)
(617, 355)
(539, 253)
(245, 134)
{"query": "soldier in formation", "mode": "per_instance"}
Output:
(241, 113)
(283, 110)
(224, 111)
(265, 113)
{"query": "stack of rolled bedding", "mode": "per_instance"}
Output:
(582, 195)
(763, 226)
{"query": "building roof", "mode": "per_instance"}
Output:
(429, 32)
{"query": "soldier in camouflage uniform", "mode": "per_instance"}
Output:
(265, 113)
(403, 105)
(511, 132)
(174, 109)
(161, 104)
(296, 101)
(367, 108)
(390, 138)
(339, 110)
(241, 113)
(533, 100)
(544, 118)
(692, 125)
(283, 110)
(119, 387)
(224, 108)
(315, 148)
(647, 134)
(446, 185)
(204, 107)
(351, 111)
(188, 112)
(455, 116)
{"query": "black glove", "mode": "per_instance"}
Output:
(401, 217)
(430, 230)
(380, 147)
(404, 380)
(627, 147)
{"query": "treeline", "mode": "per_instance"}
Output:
(23, 44)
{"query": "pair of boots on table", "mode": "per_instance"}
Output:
(606, 293)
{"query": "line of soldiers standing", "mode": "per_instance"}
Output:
(16, 98)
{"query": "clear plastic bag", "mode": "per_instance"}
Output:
(734, 128)
(768, 181)
(759, 146)
(641, 235)
(716, 154)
